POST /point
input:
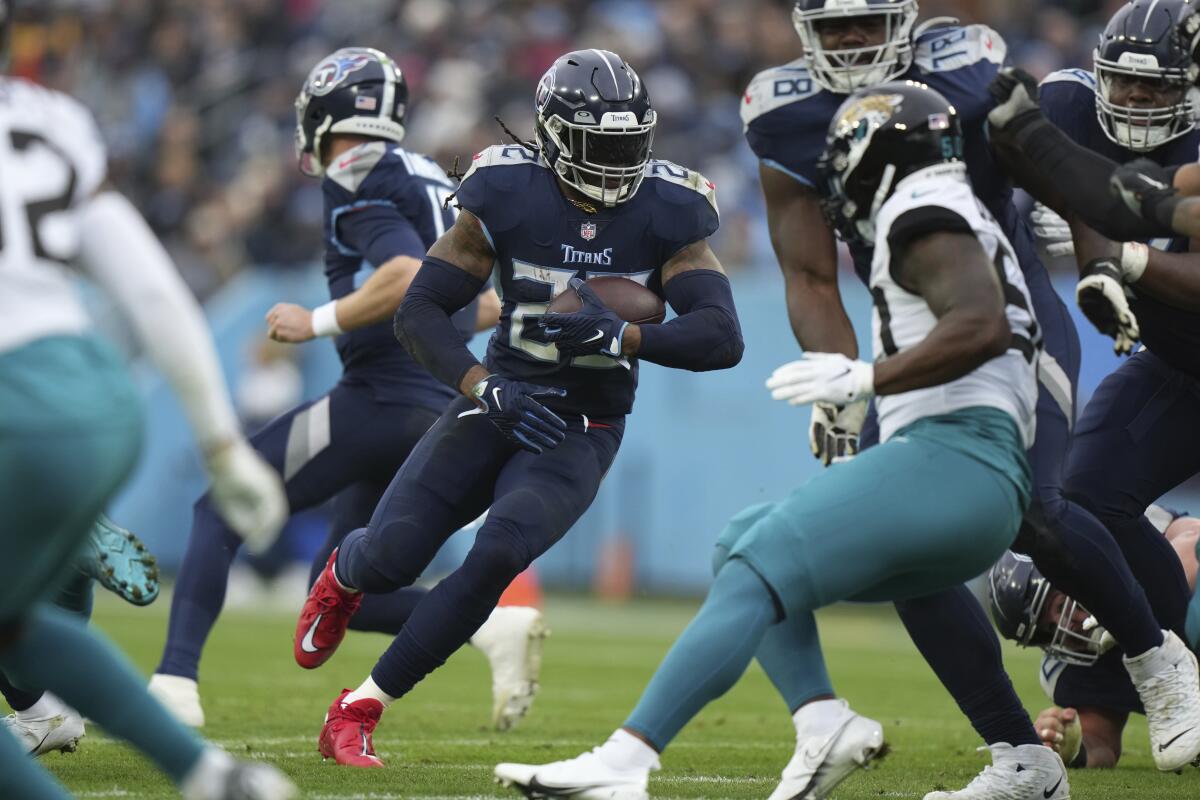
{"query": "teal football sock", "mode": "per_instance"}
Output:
(23, 778)
(709, 657)
(56, 651)
(790, 654)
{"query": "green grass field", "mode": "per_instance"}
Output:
(436, 743)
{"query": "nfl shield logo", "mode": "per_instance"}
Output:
(588, 230)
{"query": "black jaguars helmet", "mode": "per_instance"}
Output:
(844, 71)
(1142, 43)
(877, 137)
(1017, 596)
(355, 90)
(594, 124)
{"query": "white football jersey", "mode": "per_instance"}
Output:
(51, 161)
(902, 319)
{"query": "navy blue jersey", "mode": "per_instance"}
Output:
(542, 241)
(1068, 99)
(382, 201)
(786, 115)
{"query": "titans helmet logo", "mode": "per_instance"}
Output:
(330, 73)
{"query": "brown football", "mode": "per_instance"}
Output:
(632, 301)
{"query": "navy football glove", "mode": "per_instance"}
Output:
(1016, 94)
(1147, 189)
(512, 406)
(594, 329)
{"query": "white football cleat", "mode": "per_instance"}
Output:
(180, 696)
(1026, 772)
(822, 762)
(512, 639)
(584, 777)
(1168, 681)
(217, 776)
(60, 731)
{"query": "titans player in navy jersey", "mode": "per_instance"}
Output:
(383, 207)
(786, 111)
(538, 424)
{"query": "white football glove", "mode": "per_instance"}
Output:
(829, 377)
(1052, 231)
(834, 430)
(248, 494)
(1100, 294)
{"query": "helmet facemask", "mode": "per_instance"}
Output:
(1143, 129)
(1081, 643)
(847, 70)
(605, 161)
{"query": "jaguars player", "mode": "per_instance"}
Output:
(72, 429)
(537, 425)
(954, 379)
(384, 206)
(785, 111)
(1092, 691)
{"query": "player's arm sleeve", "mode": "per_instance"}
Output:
(118, 249)
(1042, 158)
(423, 323)
(706, 334)
(379, 232)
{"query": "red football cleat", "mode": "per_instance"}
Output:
(323, 620)
(346, 736)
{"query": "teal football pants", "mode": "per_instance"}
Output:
(889, 524)
(70, 431)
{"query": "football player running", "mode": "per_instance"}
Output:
(954, 378)
(383, 208)
(786, 110)
(1090, 686)
(537, 426)
(73, 427)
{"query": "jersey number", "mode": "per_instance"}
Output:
(37, 210)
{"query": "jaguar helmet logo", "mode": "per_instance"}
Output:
(330, 73)
(874, 109)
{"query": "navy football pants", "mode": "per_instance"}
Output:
(460, 468)
(346, 444)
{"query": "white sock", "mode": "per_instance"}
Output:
(206, 778)
(820, 717)
(369, 689)
(626, 752)
(47, 706)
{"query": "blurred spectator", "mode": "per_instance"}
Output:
(194, 96)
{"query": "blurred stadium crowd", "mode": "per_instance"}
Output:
(195, 96)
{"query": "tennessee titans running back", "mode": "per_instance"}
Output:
(383, 208)
(785, 111)
(541, 420)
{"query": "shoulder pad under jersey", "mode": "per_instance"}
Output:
(685, 207)
(945, 49)
(1080, 77)
(494, 188)
(776, 87)
(63, 121)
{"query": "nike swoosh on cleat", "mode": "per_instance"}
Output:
(306, 644)
(1162, 747)
(1048, 792)
(599, 335)
(539, 789)
(496, 397)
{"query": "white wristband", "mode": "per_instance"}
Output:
(324, 320)
(1134, 258)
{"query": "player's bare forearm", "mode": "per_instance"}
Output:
(959, 284)
(807, 254)
(466, 247)
(1185, 219)
(1102, 731)
(488, 313)
(1171, 278)
(1187, 180)
(1090, 244)
(379, 296)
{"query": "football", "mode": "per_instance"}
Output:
(629, 299)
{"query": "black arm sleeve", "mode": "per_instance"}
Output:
(1046, 158)
(423, 323)
(706, 335)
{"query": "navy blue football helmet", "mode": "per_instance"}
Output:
(356, 90)
(1017, 597)
(845, 71)
(1142, 43)
(594, 124)
(877, 137)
